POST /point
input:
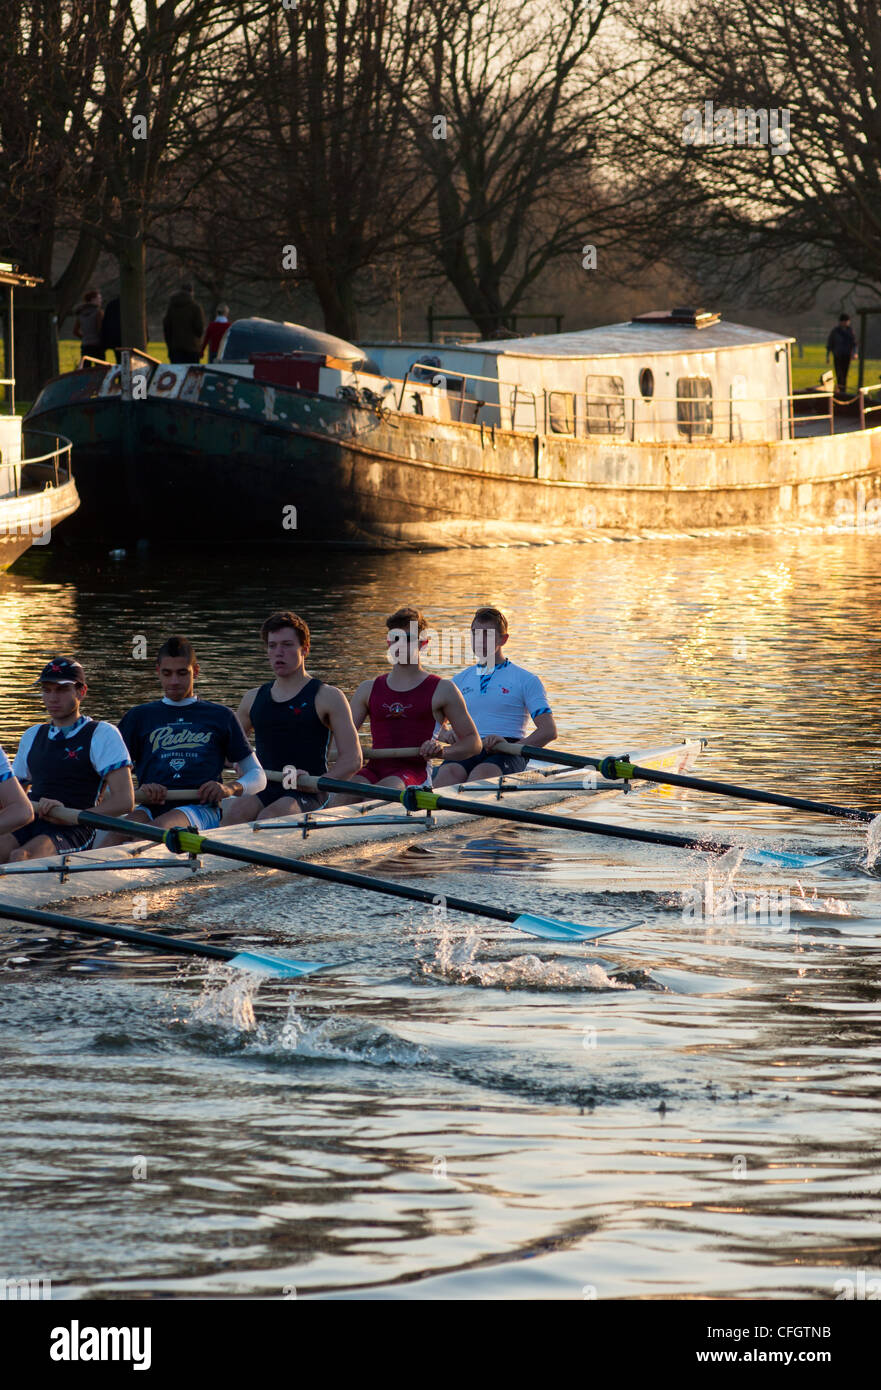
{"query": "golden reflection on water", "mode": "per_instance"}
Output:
(768, 643)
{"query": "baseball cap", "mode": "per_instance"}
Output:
(62, 671)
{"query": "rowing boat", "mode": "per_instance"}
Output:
(326, 834)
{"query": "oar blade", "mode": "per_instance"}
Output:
(275, 965)
(552, 929)
(784, 859)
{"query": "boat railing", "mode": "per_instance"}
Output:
(61, 473)
(648, 419)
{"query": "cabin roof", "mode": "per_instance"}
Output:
(629, 339)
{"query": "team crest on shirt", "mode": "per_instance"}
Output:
(72, 754)
(396, 710)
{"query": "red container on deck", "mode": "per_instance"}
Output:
(284, 369)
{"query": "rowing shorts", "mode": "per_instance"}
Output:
(407, 773)
(63, 837)
(505, 762)
(200, 816)
(306, 801)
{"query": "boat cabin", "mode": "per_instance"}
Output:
(678, 375)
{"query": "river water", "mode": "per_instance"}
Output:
(689, 1108)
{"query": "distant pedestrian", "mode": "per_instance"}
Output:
(184, 326)
(842, 345)
(87, 324)
(111, 329)
(215, 331)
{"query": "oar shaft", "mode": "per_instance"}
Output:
(635, 772)
(202, 845)
(430, 801)
(796, 803)
(131, 935)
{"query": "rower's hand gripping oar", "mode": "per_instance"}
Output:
(420, 799)
(181, 841)
(242, 960)
(622, 769)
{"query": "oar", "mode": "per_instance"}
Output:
(420, 799)
(242, 960)
(617, 769)
(190, 842)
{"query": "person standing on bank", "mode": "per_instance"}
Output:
(842, 345)
(111, 329)
(215, 331)
(87, 324)
(184, 326)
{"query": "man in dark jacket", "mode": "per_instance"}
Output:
(842, 344)
(111, 329)
(184, 326)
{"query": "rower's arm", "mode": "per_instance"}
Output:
(360, 703)
(119, 793)
(15, 809)
(545, 730)
(448, 704)
(333, 709)
(244, 711)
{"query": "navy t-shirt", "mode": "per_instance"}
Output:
(183, 745)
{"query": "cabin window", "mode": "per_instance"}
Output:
(605, 404)
(694, 405)
(523, 403)
(647, 383)
(561, 412)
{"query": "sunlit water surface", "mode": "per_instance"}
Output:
(689, 1108)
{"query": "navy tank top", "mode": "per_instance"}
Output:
(61, 768)
(289, 733)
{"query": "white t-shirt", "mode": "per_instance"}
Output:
(5, 767)
(502, 699)
(107, 751)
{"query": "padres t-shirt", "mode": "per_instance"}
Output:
(183, 744)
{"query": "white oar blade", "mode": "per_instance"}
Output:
(784, 859)
(551, 929)
(272, 965)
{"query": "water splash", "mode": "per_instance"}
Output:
(873, 842)
(226, 1000)
(345, 1040)
(455, 962)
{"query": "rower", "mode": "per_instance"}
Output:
(293, 719)
(405, 707)
(15, 808)
(500, 698)
(182, 742)
(70, 761)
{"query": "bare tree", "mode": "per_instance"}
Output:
(512, 117)
(319, 185)
(774, 215)
(48, 49)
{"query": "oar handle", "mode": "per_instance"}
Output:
(64, 815)
(178, 794)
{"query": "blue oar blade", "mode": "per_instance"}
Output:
(552, 929)
(785, 859)
(273, 965)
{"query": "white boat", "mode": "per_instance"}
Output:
(330, 835)
(37, 490)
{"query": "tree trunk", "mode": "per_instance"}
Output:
(131, 259)
(336, 295)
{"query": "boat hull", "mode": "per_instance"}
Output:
(29, 519)
(233, 458)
